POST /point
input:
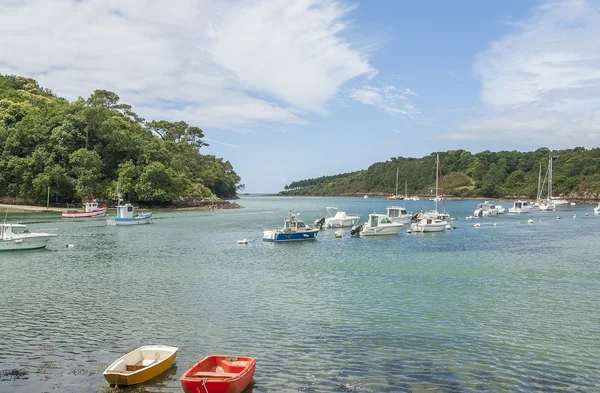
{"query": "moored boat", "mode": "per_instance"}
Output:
(219, 374)
(398, 215)
(428, 224)
(18, 237)
(293, 229)
(377, 225)
(90, 210)
(597, 209)
(340, 219)
(126, 215)
(140, 365)
(485, 209)
(520, 207)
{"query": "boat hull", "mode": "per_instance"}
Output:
(136, 220)
(25, 243)
(219, 374)
(381, 230)
(341, 223)
(278, 236)
(126, 378)
(69, 214)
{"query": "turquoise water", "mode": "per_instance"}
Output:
(507, 308)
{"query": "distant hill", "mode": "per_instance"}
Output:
(510, 174)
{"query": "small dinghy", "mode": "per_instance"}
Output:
(219, 374)
(140, 365)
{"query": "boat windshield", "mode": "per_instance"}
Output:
(18, 230)
(385, 220)
(300, 224)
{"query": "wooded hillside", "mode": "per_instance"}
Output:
(576, 174)
(98, 145)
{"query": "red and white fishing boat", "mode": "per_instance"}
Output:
(91, 210)
(219, 374)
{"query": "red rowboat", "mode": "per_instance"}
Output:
(219, 374)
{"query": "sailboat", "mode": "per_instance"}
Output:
(432, 221)
(396, 197)
(545, 204)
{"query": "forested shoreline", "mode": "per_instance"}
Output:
(100, 146)
(504, 174)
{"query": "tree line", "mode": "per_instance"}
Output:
(576, 173)
(100, 146)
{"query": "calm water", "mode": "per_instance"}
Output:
(511, 308)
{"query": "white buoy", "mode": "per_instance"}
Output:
(337, 235)
(530, 221)
(477, 225)
(470, 218)
(495, 224)
(558, 217)
(587, 214)
(574, 215)
(408, 231)
(573, 203)
(448, 226)
(69, 245)
(243, 241)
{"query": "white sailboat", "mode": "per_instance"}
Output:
(396, 197)
(432, 221)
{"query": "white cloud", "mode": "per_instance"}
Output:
(212, 63)
(541, 84)
(387, 98)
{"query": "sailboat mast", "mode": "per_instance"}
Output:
(550, 180)
(437, 175)
(539, 195)
(396, 193)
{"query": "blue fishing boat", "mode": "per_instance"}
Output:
(293, 230)
(126, 215)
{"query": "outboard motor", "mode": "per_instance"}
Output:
(355, 230)
(319, 222)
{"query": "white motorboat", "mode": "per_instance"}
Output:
(18, 237)
(520, 207)
(486, 209)
(378, 224)
(597, 209)
(501, 209)
(399, 215)
(428, 224)
(340, 219)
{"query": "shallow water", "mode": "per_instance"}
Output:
(507, 308)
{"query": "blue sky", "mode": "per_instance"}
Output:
(288, 90)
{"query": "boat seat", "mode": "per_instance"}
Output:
(212, 374)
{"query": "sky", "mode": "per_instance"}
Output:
(289, 90)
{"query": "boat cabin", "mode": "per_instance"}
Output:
(7, 230)
(521, 204)
(294, 225)
(395, 212)
(90, 206)
(376, 220)
(125, 211)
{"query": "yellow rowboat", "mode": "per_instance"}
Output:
(140, 365)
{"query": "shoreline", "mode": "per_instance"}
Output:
(223, 205)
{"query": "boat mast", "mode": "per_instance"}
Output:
(539, 195)
(437, 174)
(396, 194)
(550, 179)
